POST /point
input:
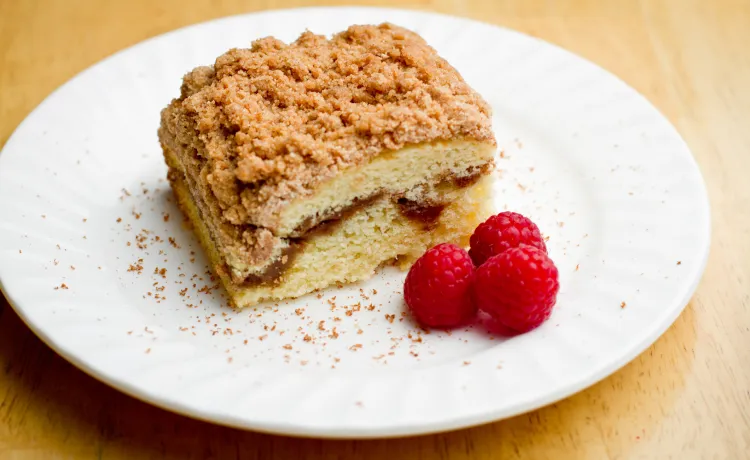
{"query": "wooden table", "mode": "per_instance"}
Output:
(687, 397)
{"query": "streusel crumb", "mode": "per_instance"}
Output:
(269, 123)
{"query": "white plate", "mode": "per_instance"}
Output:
(594, 164)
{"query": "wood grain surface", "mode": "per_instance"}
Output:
(687, 397)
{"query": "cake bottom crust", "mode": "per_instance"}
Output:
(353, 248)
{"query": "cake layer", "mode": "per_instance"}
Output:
(391, 173)
(355, 246)
(415, 173)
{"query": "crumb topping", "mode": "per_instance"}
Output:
(272, 121)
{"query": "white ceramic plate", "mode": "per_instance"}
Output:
(593, 163)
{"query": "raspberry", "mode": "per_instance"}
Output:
(438, 287)
(518, 288)
(502, 232)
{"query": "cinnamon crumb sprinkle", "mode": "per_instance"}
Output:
(148, 350)
(321, 325)
(390, 318)
(334, 334)
(679, 262)
(623, 305)
(307, 338)
(466, 363)
(288, 346)
(355, 347)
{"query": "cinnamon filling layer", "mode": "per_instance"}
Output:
(425, 213)
(415, 210)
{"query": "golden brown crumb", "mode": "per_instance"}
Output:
(623, 305)
(279, 119)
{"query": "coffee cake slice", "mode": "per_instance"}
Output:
(313, 163)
